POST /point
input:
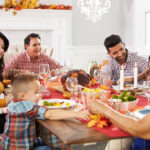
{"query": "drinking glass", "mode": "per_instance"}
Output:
(44, 73)
(71, 84)
(97, 74)
(105, 77)
(146, 86)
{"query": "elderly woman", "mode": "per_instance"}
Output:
(4, 43)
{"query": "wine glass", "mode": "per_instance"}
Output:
(146, 85)
(44, 73)
(71, 84)
(97, 74)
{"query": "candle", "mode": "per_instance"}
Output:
(135, 75)
(122, 78)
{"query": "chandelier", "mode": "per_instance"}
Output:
(94, 9)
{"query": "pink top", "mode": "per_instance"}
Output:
(24, 62)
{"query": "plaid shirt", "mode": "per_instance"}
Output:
(113, 68)
(24, 62)
(20, 131)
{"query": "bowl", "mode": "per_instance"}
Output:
(123, 106)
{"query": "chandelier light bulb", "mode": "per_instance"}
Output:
(94, 9)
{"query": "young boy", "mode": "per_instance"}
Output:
(19, 132)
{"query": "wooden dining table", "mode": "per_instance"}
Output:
(71, 132)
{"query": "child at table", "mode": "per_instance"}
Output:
(19, 132)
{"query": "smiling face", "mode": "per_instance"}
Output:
(1, 48)
(119, 53)
(34, 47)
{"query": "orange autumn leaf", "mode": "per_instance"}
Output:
(101, 124)
(104, 87)
(95, 117)
(91, 123)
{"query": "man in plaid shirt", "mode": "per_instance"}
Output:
(119, 56)
(32, 57)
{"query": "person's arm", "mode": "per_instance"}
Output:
(54, 64)
(138, 128)
(58, 114)
(141, 75)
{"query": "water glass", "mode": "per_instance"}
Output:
(44, 74)
(146, 86)
(87, 97)
(71, 84)
(105, 78)
(97, 74)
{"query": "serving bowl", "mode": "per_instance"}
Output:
(123, 106)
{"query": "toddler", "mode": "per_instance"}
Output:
(19, 132)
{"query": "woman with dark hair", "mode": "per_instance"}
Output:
(4, 43)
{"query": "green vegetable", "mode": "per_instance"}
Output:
(115, 97)
(46, 103)
(126, 96)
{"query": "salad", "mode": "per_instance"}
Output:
(126, 96)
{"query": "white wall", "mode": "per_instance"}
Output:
(87, 33)
(128, 21)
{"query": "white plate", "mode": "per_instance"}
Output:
(72, 103)
(141, 113)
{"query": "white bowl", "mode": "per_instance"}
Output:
(123, 106)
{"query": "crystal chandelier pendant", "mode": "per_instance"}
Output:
(94, 9)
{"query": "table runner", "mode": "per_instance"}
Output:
(114, 131)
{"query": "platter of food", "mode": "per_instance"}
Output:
(57, 103)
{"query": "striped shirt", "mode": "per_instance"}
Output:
(113, 68)
(20, 131)
(24, 62)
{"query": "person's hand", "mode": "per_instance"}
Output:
(82, 115)
(126, 79)
(96, 107)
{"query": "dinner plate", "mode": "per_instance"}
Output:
(63, 105)
(141, 113)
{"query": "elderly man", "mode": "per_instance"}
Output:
(32, 57)
(119, 56)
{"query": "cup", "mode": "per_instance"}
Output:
(105, 95)
(87, 97)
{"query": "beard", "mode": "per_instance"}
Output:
(122, 59)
